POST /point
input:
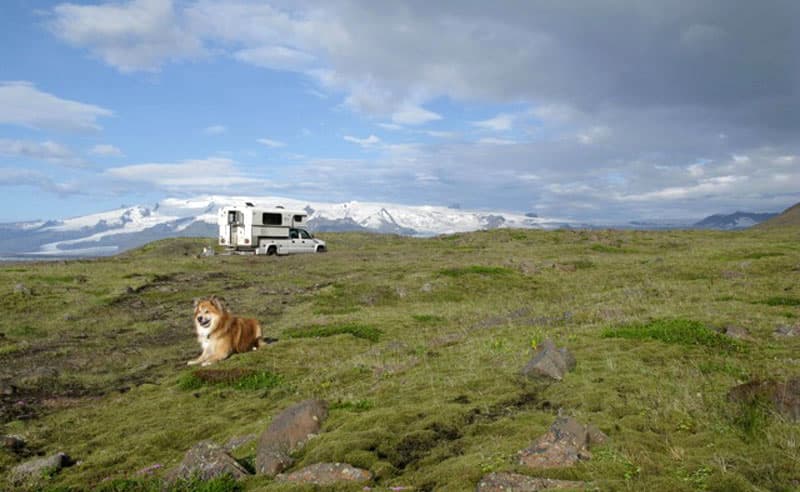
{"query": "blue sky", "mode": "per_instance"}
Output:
(610, 112)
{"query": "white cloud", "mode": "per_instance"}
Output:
(23, 104)
(390, 126)
(593, 135)
(370, 141)
(215, 130)
(192, 175)
(271, 143)
(496, 141)
(106, 150)
(275, 57)
(410, 114)
(441, 134)
(46, 151)
(500, 123)
(130, 36)
(22, 177)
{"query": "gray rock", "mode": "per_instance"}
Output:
(787, 331)
(738, 333)
(327, 474)
(550, 362)
(508, 482)
(39, 468)
(22, 289)
(289, 431)
(426, 287)
(784, 396)
(239, 441)
(207, 460)
(565, 444)
(13, 443)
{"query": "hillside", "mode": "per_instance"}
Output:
(417, 345)
(736, 220)
(789, 217)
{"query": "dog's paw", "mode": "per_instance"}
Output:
(192, 362)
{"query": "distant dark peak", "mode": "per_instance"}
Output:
(309, 210)
(736, 220)
(532, 215)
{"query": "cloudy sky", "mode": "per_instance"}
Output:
(610, 110)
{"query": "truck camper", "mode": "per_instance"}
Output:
(266, 231)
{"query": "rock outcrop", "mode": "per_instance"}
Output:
(289, 431)
(549, 362)
(508, 482)
(207, 460)
(565, 443)
(327, 474)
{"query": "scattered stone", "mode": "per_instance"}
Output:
(327, 474)
(426, 287)
(738, 333)
(787, 331)
(784, 396)
(39, 468)
(732, 274)
(207, 460)
(565, 443)
(550, 362)
(446, 340)
(508, 482)
(22, 289)
(237, 442)
(289, 431)
(13, 443)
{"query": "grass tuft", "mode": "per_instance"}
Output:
(782, 301)
(475, 270)
(675, 331)
(240, 379)
(366, 332)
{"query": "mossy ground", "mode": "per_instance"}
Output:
(417, 344)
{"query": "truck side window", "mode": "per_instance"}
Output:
(293, 233)
(304, 234)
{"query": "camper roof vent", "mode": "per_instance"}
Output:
(280, 207)
(249, 204)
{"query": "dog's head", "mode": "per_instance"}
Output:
(208, 311)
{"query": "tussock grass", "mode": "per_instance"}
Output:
(240, 379)
(475, 270)
(367, 332)
(675, 331)
(782, 301)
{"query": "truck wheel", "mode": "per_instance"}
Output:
(272, 250)
(321, 249)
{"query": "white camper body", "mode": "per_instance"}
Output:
(266, 230)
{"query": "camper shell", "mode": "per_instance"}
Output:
(266, 230)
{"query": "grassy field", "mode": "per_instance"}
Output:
(417, 344)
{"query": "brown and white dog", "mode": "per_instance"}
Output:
(220, 333)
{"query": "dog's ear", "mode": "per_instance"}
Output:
(218, 303)
(196, 302)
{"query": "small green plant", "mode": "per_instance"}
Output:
(676, 331)
(782, 301)
(427, 318)
(366, 332)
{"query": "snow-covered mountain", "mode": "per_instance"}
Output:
(117, 230)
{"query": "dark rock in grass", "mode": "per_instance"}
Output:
(507, 482)
(289, 431)
(205, 461)
(565, 443)
(39, 468)
(22, 289)
(13, 443)
(737, 333)
(550, 362)
(787, 331)
(327, 474)
(784, 396)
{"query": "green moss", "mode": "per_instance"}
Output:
(475, 270)
(782, 301)
(366, 332)
(236, 379)
(676, 331)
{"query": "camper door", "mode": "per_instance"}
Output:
(235, 221)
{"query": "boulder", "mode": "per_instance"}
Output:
(787, 331)
(289, 431)
(13, 443)
(549, 362)
(738, 333)
(38, 468)
(565, 443)
(327, 474)
(22, 289)
(207, 460)
(508, 482)
(784, 396)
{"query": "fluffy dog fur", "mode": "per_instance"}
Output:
(220, 333)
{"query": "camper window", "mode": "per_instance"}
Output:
(298, 218)
(232, 217)
(271, 219)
